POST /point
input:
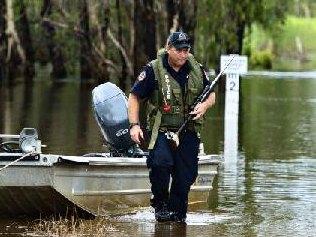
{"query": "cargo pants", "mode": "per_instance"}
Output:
(180, 164)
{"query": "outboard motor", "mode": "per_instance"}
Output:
(110, 108)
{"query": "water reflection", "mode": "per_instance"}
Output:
(169, 230)
(61, 112)
(196, 221)
(271, 192)
(280, 121)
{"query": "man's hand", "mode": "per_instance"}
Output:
(136, 134)
(201, 108)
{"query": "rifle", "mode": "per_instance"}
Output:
(174, 136)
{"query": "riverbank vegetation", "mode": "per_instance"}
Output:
(289, 47)
(73, 227)
(112, 39)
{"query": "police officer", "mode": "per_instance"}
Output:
(169, 85)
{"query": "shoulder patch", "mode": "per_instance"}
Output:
(141, 76)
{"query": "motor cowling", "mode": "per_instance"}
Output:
(110, 108)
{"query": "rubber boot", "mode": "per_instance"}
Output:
(177, 217)
(162, 213)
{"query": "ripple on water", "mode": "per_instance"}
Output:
(193, 218)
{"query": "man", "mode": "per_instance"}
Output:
(170, 84)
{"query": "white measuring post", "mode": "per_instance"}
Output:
(238, 66)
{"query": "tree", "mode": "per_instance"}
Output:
(55, 52)
(85, 41)
(145, 33)
(124, 73)
(15, 52)
(23, 28)
(182, 17)
(222, 24)
(110, 47)
(104, 30)
(172, 15)
(187, 18)
(3, 40)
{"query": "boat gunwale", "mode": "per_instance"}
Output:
(129, 161)
(56, 160)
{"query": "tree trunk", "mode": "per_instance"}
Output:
(187, 18)
(26, 42)
(123, 77)
(3, 41)
(94, 38)
(172, 15)
(217, 55)
(55, 53)
(240, 35)
(104, 28)
(162, 30)
(2, 104)
(130, 14)
(182, 16)
(236, 28)
(15, 56)
(145, 33)
(85, 41)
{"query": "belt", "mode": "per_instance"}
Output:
(188, 128)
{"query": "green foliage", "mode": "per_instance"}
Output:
(303, 8)
(261, 59)
(285, 41)
(222, 24)
(305, 28)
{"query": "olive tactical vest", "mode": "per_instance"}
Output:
(169, 92)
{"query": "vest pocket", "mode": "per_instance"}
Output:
(173, 118)
(177, 95)
(193, 94)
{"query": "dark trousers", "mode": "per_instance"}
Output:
(181, 164)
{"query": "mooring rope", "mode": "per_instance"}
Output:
(17, 160)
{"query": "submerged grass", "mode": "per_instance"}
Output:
(73, 227)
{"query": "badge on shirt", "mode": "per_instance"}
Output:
(141, 76)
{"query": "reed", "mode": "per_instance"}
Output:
(72, 227)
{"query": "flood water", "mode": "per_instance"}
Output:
(272, 191)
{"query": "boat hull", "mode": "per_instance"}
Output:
(87, 186)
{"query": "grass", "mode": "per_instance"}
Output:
(284, 44)
(72, 227)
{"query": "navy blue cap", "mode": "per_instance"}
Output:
(179, 40)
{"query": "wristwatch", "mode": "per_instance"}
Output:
(133, 124)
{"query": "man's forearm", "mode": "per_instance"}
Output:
(210, 101)
(133, 108)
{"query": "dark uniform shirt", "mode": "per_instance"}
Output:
(146, 83)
